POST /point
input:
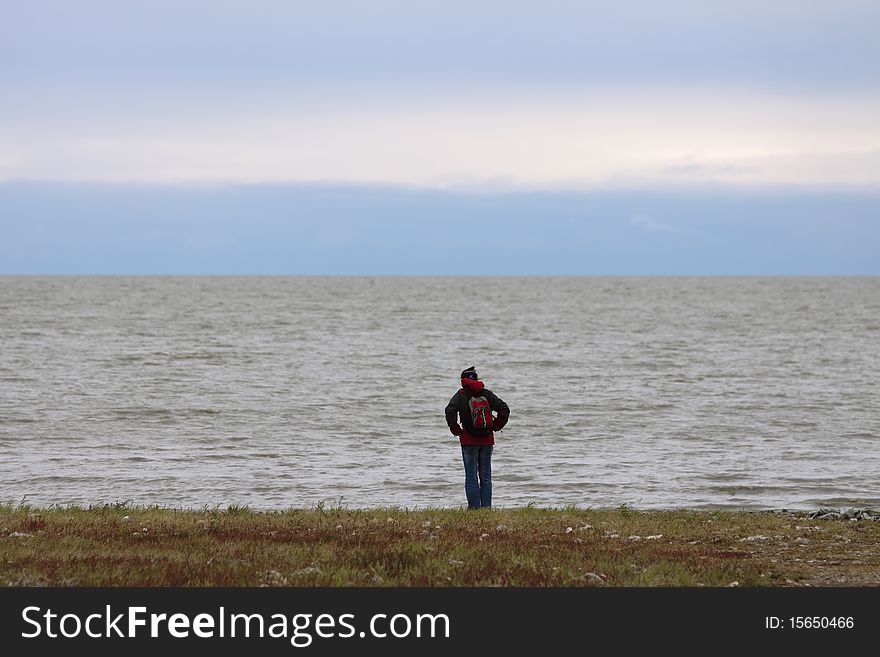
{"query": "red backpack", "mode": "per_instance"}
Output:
(481, 416)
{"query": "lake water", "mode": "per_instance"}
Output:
(749, 393)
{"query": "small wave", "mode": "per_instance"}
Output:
(18, 420)
(720, 477)
(844, 501)
(17, 379)
(141, 412)
(147, 413)
(737, 491)
(57, 479)
(200, 355)
(128, 358)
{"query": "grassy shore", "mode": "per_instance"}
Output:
(119, 545)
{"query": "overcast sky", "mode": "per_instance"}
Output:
(691, 104)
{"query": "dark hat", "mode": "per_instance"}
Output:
(470, 373)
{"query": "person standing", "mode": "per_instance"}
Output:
(481, 413)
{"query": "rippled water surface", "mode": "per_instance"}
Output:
(278, 392)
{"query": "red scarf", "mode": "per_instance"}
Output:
(471, 386)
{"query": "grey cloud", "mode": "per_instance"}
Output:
(186, 46)
(650, 224)
(298, 229)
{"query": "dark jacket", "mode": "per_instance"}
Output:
(458, 410)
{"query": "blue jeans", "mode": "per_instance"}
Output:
(477, 475)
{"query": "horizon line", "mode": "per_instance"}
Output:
(177, 275)
(477, 188)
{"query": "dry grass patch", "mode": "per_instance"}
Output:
(145, 546)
